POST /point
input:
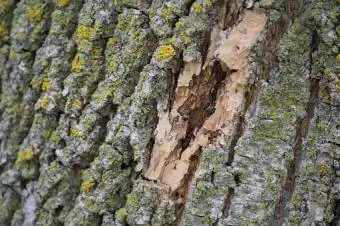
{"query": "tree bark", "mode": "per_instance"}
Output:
(176, 112)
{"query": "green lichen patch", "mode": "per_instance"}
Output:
(142, 195)
(121, 214)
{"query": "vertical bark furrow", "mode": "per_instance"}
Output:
(265, 147)
(6, 16)
(127, 52)
(30, 27)
(298, 154)
(317, 185)
(67, 142)
(49, 68)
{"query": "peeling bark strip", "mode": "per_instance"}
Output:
(168, 112)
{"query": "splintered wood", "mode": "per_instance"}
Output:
(170, 161)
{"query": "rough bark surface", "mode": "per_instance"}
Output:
(169, 112)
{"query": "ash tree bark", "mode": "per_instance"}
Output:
(169, 112)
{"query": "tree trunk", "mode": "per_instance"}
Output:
(169, 112)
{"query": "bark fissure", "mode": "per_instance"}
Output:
(28, 53)
(6, 40)
(298, 152)
(227, 203)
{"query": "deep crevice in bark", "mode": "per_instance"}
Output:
(227, 202)
(233, 17)
(173, 84)
(239, 132)
(198, 116)
(182, 192)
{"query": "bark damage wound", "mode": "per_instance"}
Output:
(208, 103)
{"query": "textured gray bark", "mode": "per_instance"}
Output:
(169, 112)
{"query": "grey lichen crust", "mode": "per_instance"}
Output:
(84, 84)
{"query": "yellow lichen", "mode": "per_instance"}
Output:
(84, 32)
(43, 102)
(24, 156)
(5, 6)
(12, 54)
(87, 185)
(3, 29)
(75, 132)
(201, 187)
(76, 104)
(77, 63)
(113, 65)
(338, 57)
(167, 14)
(46, 85)
(197, 8)
(29, 154)
(35, 12)
(62, 2)
(112, 41)
(165, 52)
